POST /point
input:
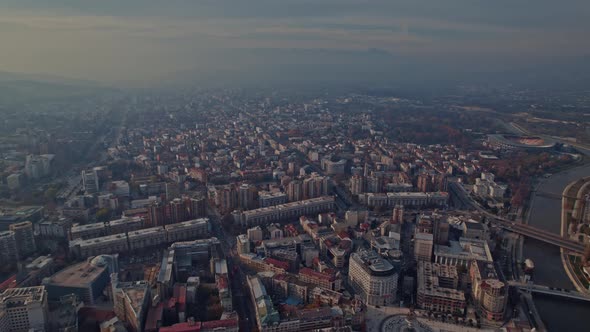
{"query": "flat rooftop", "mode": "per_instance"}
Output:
(287, 206)
(145, 232)
(78, 275)
(99, 240)
(82, 228)
(190, 223)
(123, 221)
(466, 249)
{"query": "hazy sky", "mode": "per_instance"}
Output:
(140, 40)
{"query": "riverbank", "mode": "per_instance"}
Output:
(545, 213)
(570, 191)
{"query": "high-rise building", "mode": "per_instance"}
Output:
(374, 184)
(131, 302)
(26, 309)
(423, 244)
(425, 184)
(490, 294)
(441, 182)
(156, 214)
(172, 191)
(198, 207)
(295, 191)
(398, 214)
(25, 238)
(316, 186)
(90, 181)
(8, 249)
(227, 199)
(246, 196)
(357, 184)
(373, 278)
(38, 166)
(178, 211)
(441, 232)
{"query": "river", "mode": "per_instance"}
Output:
(557, 314)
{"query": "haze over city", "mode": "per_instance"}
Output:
(144, 41)
(294, 165)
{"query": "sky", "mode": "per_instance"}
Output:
(138, 41)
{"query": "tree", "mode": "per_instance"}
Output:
(50, 195)
(103, 215)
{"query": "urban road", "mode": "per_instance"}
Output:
(242, 303)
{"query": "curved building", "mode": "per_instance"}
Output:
(373, 278)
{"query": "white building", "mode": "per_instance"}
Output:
(26, 308)
(373, 278)
(405, 199)
(243, 244)
(287, 211)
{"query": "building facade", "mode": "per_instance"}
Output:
(25, 238)
(373, 278)
(26, 309)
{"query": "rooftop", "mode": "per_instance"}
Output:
(145, 232)
(22, 295)
(372, 262)
(102, 240)
(467, 249)
(189, 223)
(287, 206)
(78, 275)
(428, 282)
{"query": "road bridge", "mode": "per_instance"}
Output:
(540, 289)
(511, 226)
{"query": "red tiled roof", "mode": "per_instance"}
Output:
(315, 274)
(277, 263)
(343, 235)
(8, 283)
(220, 323)
(182, 327)
(316, 261)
